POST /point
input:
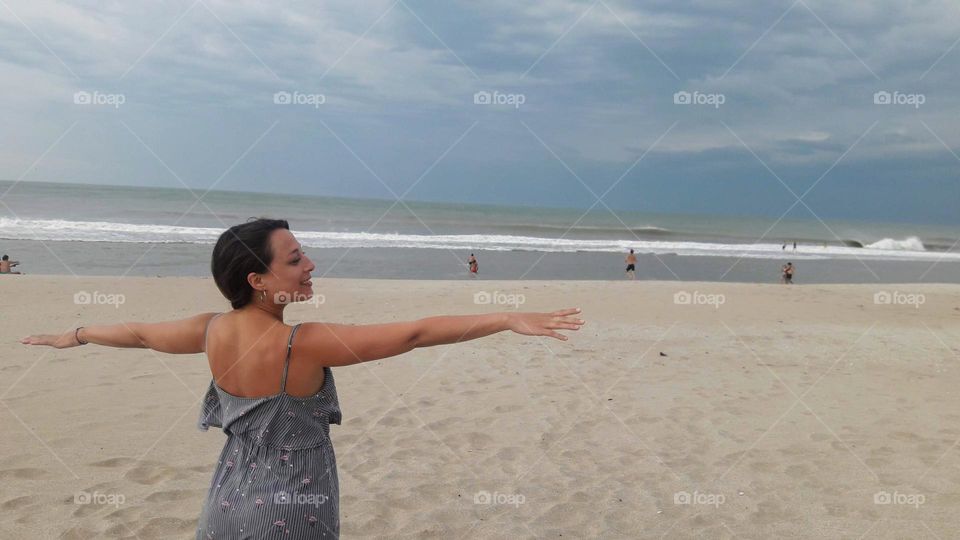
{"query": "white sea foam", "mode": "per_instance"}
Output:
(101, 231)
(908, 244)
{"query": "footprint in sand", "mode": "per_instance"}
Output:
(146, 376)
(876, 462)
(426, 402)
(771, 512)
(147, 472)
(19, 502)
(408, 454)
(763, 466)
(395, 421)
(78, 533)
(443, 425)
(84, 510)
(126, 514)
(479, 439)
(174, 495)
(114, 462)
(152, 473)
(120, 530)
(166, 527)
(24, 473)
(84, 503)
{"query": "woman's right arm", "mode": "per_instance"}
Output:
(343, 345)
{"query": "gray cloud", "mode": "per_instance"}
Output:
(399, 79)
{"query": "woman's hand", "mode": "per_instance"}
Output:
(545, 324)
(62, 341)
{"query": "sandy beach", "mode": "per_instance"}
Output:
(681, 410)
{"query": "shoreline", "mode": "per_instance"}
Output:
(524, 282)
(113, 259)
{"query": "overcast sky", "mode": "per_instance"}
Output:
(184, 92)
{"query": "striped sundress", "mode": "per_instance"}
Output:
(277, 473)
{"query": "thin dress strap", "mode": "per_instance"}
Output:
(286, 361)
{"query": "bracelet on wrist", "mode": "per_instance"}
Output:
(76, 334)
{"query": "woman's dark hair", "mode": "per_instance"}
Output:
(242, 249)
(5, 257)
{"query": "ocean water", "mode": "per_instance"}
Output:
(109, 230)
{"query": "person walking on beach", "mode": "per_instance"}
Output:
(272, 389)
(6, 265)
(474, 265)
(631, 261)
(787, 272)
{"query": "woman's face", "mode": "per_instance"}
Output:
(288, 279)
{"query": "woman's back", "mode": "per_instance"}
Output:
(277, 471)
(246, 355)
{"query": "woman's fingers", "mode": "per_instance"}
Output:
(563, 325)
(36, 340)
(546, 324)
(566, 323)
(549, 329)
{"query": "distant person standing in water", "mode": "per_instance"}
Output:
(474, 265)
(788, 273)
(631, 265)
(6, 265)
(794, 245)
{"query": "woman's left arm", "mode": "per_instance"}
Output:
(184, 336)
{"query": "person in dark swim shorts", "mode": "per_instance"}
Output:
(788, 273)
(631, 261)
